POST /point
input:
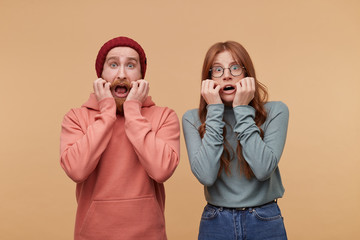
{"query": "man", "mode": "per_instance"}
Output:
(119, 148)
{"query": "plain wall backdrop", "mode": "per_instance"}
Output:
(306, 52)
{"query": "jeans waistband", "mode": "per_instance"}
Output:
(244, 208)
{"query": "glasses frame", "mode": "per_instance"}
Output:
(223, 70)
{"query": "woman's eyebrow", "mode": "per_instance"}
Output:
(232, 63)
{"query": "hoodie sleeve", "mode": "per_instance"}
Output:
(159, 150)
(81, 146)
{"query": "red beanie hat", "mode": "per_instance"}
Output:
(119, 42)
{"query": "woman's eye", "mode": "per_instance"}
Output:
(113, 65)
(218, 69)
(130, 65)
(235, 67)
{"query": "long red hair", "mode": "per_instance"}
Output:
(242, 57)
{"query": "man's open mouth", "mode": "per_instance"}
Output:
(121, 91)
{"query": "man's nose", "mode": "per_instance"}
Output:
(121, 73)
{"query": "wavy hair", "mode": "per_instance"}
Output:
(242, 57)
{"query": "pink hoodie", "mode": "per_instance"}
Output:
(119, 164)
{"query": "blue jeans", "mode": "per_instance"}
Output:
(265, 222)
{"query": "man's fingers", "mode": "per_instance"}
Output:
(101, 89)
(96, 85)
(107, 86)
(139, 90)
(147, 89)
(142, 85)
(134, 86)
(144, 90)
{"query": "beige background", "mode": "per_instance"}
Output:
(306, 52)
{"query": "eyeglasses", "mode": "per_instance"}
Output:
(235, 70)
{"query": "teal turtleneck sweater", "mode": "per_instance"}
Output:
(263, 155)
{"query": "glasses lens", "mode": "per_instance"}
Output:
(217, 71)
(236, 70)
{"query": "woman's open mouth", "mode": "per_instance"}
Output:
(228, 89)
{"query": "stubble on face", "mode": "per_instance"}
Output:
(120, 87)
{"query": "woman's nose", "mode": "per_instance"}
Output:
(227, 75)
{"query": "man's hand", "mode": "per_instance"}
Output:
(210, 92)
(245, 90)
(139, 90)
(102, 89)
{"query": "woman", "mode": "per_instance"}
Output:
(234, 142)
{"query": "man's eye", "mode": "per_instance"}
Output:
(113, 65)
(130, 65)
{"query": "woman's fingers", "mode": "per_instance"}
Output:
(210, 92)
(245, 91)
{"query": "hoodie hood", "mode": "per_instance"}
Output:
(92, 102)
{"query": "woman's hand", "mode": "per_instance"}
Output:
(245, 91)
(210, 92)
(139, 90)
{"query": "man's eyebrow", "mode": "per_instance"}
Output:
(128, 58)
(133, 59)
(110, 58)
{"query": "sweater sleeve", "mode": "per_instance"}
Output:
(262, 155)
(80, 149)
(204, 154)
(158, 151)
